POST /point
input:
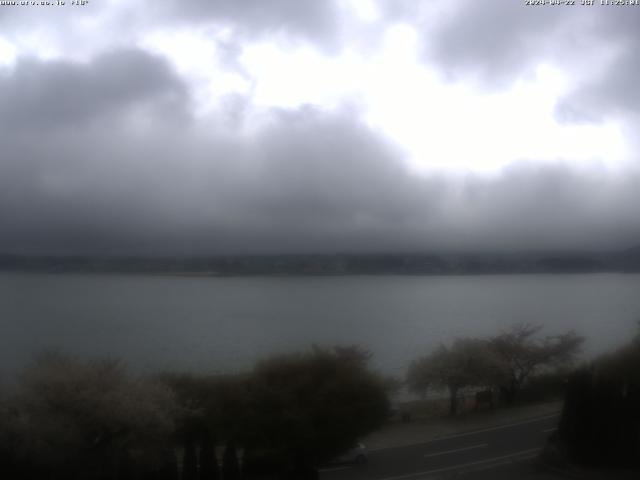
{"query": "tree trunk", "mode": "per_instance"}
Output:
(169, 467)
(190, 462)
(453, 400)
(303, 468)
(208, 462)
(230, 464)
(510, 391)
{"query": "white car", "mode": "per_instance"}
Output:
(358, 455)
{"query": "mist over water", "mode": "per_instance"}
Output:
(226, 324)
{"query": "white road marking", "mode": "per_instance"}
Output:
(521, 455)
(334, 469)
(550, 430)
(456, 450)
(458, 435)
(499, 463)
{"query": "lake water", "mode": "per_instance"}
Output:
(225, 324)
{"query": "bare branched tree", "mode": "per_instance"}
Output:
(467, 362)
(522, 352)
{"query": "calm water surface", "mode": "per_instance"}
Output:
(225, 324)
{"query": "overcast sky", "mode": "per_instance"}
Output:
(233, 126)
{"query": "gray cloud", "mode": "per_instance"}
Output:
(58, 93)
(307, 18)
(611, 92)
(551, 206)
(80, 32)
(494, 43)
(104, 156)
(126, 181)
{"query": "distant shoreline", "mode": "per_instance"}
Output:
(624, 261)
(334, 265)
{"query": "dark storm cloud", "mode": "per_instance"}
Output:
(304, 179)
(131, 180)
(532, 205)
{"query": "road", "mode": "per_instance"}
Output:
(492, 448)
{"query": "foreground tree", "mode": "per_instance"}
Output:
(208, 462)
(212, 412)
(521, 353)
(600, 422)
(307, 408)
(230, 463)
(73, 419)
(466, 363)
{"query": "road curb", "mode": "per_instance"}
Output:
(472, 431)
